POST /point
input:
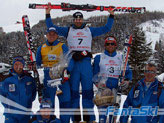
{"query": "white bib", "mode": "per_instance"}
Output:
(110, 66)
(79, 39)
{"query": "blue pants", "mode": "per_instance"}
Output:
(82, 72)
(64, 99)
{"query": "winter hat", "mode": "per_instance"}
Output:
(52, 29)
(46, 103)
(77, 15)
(20, 59)
(110, 38)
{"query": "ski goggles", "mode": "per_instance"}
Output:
(150, 71)
(112, 44)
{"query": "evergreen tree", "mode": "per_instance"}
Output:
(139, 54)
(159, 56)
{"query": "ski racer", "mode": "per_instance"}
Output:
(46, 114)
(79, 38)
(49, 54)
(108, 64)
(20, 88)
(146, 94)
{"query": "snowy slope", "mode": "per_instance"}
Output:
(153, 30)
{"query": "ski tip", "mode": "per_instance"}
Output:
(32, 6)
(24, 16)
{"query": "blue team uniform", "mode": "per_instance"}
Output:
(22, 90)
(112, 82)
(139, 96)
(81, 70)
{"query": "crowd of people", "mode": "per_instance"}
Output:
(19, 87)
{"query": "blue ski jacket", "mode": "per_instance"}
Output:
(18, 88)
(140, 96)
(95, 31)
(111, 82)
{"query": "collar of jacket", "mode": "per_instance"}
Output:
(53, 44)
(20, 76)
(112, 55)
(82, 26)
(154, 84)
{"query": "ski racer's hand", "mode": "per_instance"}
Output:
(49, 8)
(124, 85)
(111, 12)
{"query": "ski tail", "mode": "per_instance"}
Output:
(88, 7)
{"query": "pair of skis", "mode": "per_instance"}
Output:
(87, 7)
(28, 35)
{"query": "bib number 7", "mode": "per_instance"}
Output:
(80, 40)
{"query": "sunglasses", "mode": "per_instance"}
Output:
(150, 71)
(112, 44)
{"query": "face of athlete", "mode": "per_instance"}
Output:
(78, 22)
(51, 36)
(45, 113)
(110, 46)
(150, 73)
(18, 67)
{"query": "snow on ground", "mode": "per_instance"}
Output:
(153, 29)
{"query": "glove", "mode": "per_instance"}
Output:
(77, 56)
(124, 85)
(65, 75)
